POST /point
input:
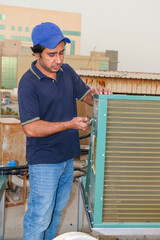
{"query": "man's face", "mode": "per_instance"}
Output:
(51, 60)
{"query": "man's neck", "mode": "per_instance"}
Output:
(48, 74)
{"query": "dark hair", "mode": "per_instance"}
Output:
(37, 48)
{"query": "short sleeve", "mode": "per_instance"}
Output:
(80, 88)
(28, 103)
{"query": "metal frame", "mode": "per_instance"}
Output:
(119, 228)
(2, 204)
(109, 230)
(100, 158)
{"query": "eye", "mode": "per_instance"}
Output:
(51, 54)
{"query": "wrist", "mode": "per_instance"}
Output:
(68, 125)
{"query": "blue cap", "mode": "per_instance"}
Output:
(48, 35)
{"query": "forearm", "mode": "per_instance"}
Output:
(42, 128)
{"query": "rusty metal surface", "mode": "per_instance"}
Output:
(125, 86)
(12, 141)
(123, 82)
(119, 74)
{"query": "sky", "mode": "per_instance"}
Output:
(131, 27)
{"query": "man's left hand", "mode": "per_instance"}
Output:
(100, 90)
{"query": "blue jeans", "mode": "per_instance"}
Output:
(50, 187)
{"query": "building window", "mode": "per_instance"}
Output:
(2, 17)
(27, 29)
(13, 28)
(26, 49)
(2, 37)
(72, 49)
(9, 72)
(21, 38)
(72, 33)
(104, 66)
(20, 29)
(2, 27)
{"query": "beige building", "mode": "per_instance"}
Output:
(16, 24)
(14, 61)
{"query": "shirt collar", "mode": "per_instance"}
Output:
(38, 73)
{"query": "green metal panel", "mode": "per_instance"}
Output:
(21, 38)
(104, 66)
(27, 29)
(2, 37)
(71, 33)
(2, 17)
(100, 160)
(13, 28)
(100, 131)
(127, 225)
(9, 72)
(26, 49)
(72, 51)
(130, 97)
(20, 28)
(90, 181)
(3, 179)
(2, 27)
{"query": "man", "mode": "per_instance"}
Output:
(47, 104)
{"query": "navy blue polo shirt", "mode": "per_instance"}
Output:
(42, 98)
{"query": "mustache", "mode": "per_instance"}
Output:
(56, 65)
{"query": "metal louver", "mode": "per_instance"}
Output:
(122, 187)
(132, 162)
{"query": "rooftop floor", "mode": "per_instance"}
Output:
(14, 221)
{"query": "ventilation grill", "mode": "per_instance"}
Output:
(132, 163)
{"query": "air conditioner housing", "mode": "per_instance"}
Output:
(122, 187)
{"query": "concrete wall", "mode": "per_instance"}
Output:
(23, 64)
(113, 59)
(85, 62)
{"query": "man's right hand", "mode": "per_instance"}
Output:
(80, 123)
(42, 128)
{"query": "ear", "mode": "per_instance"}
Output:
(37, 55)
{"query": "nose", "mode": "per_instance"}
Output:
(58, 58)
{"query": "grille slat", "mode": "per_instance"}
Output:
(132, 162)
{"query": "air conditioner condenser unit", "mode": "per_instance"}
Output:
(121, 191)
